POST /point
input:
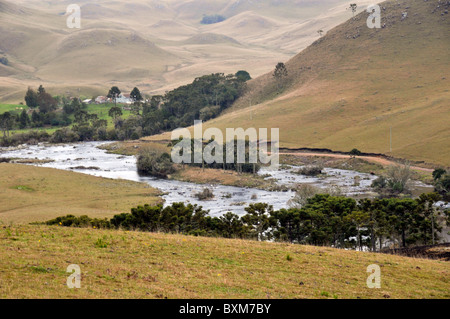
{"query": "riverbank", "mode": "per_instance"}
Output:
(31, 194)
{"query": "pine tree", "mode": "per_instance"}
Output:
(136, 95)
(24, 119)
(113, 93)
(31, 98)
(280, 73)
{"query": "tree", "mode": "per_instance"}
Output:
(353, 7)
(45, 101)
(136, 95)
(320, 32)
(302, 194)
(360, 220)
(154, 163)
(24, 119)
(280, 73)
(258, 219)
(442, 186)
(395, 182)
(355, 152)
(438, 173)
(243, 76)
(36, 119)
(81, 117)
(398, 177)
(115, 112)
(114, 93)
(426, 204)
(31, 98)
(231, 226)
(6, 123)
(41, 89)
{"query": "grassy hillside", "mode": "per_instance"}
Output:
(119, 264)
(29, 194)
(352, 85)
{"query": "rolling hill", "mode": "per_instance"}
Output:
(169, 47)
(354, 85)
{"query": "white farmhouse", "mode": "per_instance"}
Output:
(124, 99)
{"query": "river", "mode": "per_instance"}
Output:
(80, 156)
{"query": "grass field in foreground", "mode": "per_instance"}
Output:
(120, 264)
(29, 194)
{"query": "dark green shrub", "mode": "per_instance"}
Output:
(154, 163)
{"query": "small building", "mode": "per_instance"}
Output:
(101, 100)
(124, 98)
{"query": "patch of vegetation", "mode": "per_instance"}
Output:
(310, 170)
(82, 221)
(324, 220)
(101, 243)
(210, 94)
(212, 19)
(154, 163)
(442, 182)
(205, 194)
(4, 60)
(218, 153)
(39, 269)
(205, 98)
(355, 152)
(395, 182)
(23, 188)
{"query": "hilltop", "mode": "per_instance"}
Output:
(351, 86)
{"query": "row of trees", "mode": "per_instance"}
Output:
(155, 163)
(203, 99)
(215, 148)
(326, 221)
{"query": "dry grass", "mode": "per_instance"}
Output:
(223, 177)
(30, 194)
(147, 265)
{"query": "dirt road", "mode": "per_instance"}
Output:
(373, 159)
